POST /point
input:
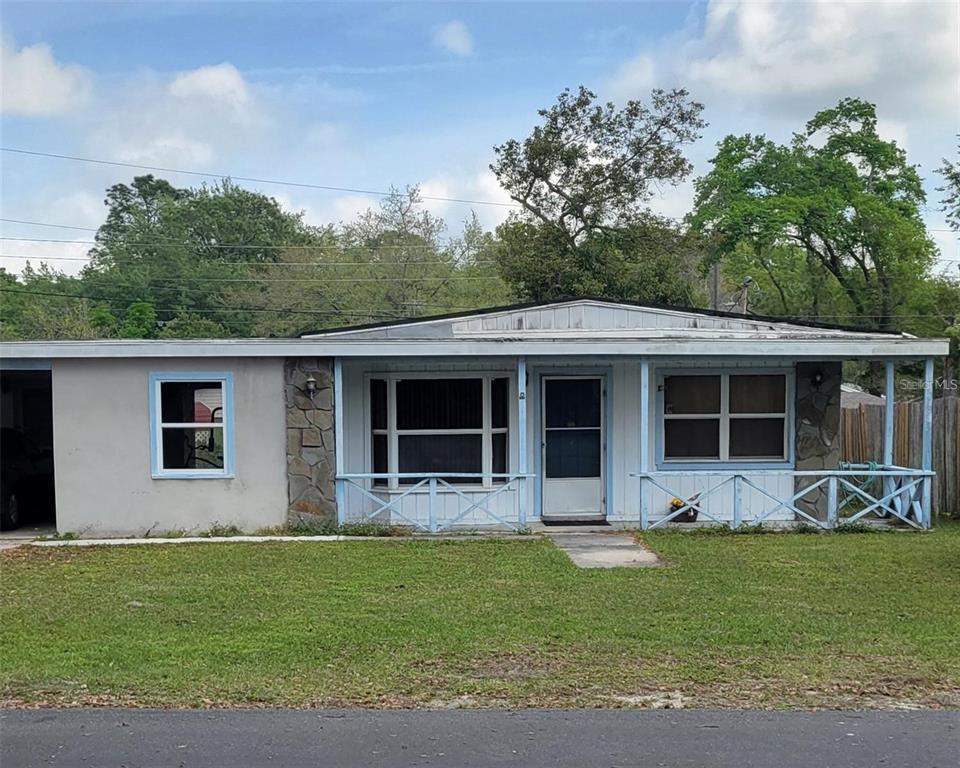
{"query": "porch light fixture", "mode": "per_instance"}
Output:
(311, 386)
(817, 379)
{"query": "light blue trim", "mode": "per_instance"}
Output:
(888, 414)
(926, 462)
(522, 438)
(644, 446)
(695, 466)
(24, 364)
(229, 438)
(606, 377)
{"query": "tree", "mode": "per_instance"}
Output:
(650, 261)
(183, 250)
(838, 197)
(583, 179)
(591, 167)
(390, 262)
(139, 322)
(934, 310)
(188, 325)
(42, 303)
(951, 189)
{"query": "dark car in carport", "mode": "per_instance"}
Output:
(26, 480)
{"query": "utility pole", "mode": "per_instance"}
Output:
(715, 286)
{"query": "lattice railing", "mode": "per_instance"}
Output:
(842, 495)
(379, 501)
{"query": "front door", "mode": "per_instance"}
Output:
(572, 447)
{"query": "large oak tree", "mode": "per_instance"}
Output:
(839, 206)
(583, 180)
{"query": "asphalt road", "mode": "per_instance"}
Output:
(531, 738)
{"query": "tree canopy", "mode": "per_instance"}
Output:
(951, 191)
(222, 261)
(834, 214)
(583, 179)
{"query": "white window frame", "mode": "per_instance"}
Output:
(157, 425)
(487, 430)
(724, 416)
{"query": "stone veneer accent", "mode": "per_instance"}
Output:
(817, 430)
(311, 463)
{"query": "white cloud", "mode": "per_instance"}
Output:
(767, 67)
(455, 38)
(904, 53)
(193, 120)
(344, 208)
(81, 209)
(436, 187)
(174, 148)
(470, 185)
(634, 79)
(322, 135)
(222, 82)
(34, 84)
(948, 243)
(893, 130)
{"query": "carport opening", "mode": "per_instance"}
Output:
(27, 500)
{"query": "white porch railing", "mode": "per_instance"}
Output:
(904, 494)
(380, 500)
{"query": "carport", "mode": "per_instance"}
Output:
(27, 498)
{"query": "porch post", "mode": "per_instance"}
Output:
(338, 439)
(927, 454)
(737, 500)
(888, 415)
(644, 442)
(522, 438)
(833, 501)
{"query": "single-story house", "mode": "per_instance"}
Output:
(579, 409)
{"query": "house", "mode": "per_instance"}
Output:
(852, 396)
(568, 410)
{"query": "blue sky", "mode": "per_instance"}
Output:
(372, 95)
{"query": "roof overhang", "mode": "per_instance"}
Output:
(812, 347)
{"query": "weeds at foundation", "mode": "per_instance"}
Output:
(310, 528)
(217, 531)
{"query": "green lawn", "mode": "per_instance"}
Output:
(791, 620)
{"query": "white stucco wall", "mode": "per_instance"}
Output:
(102, 450)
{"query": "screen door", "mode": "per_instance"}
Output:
(572, 444)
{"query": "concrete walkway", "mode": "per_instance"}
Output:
(601, 547)
(20, 536)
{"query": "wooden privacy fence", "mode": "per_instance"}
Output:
(862, 436)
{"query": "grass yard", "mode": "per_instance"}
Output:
(769, 621)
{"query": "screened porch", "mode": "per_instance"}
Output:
(503, 441)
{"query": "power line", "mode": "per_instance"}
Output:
(251, 179)
(242, 246)
(258, 264)
(219, 278)
(46, 224)
(286, 310)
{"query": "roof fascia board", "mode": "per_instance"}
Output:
(806, 348)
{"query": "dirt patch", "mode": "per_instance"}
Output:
(514, 666)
